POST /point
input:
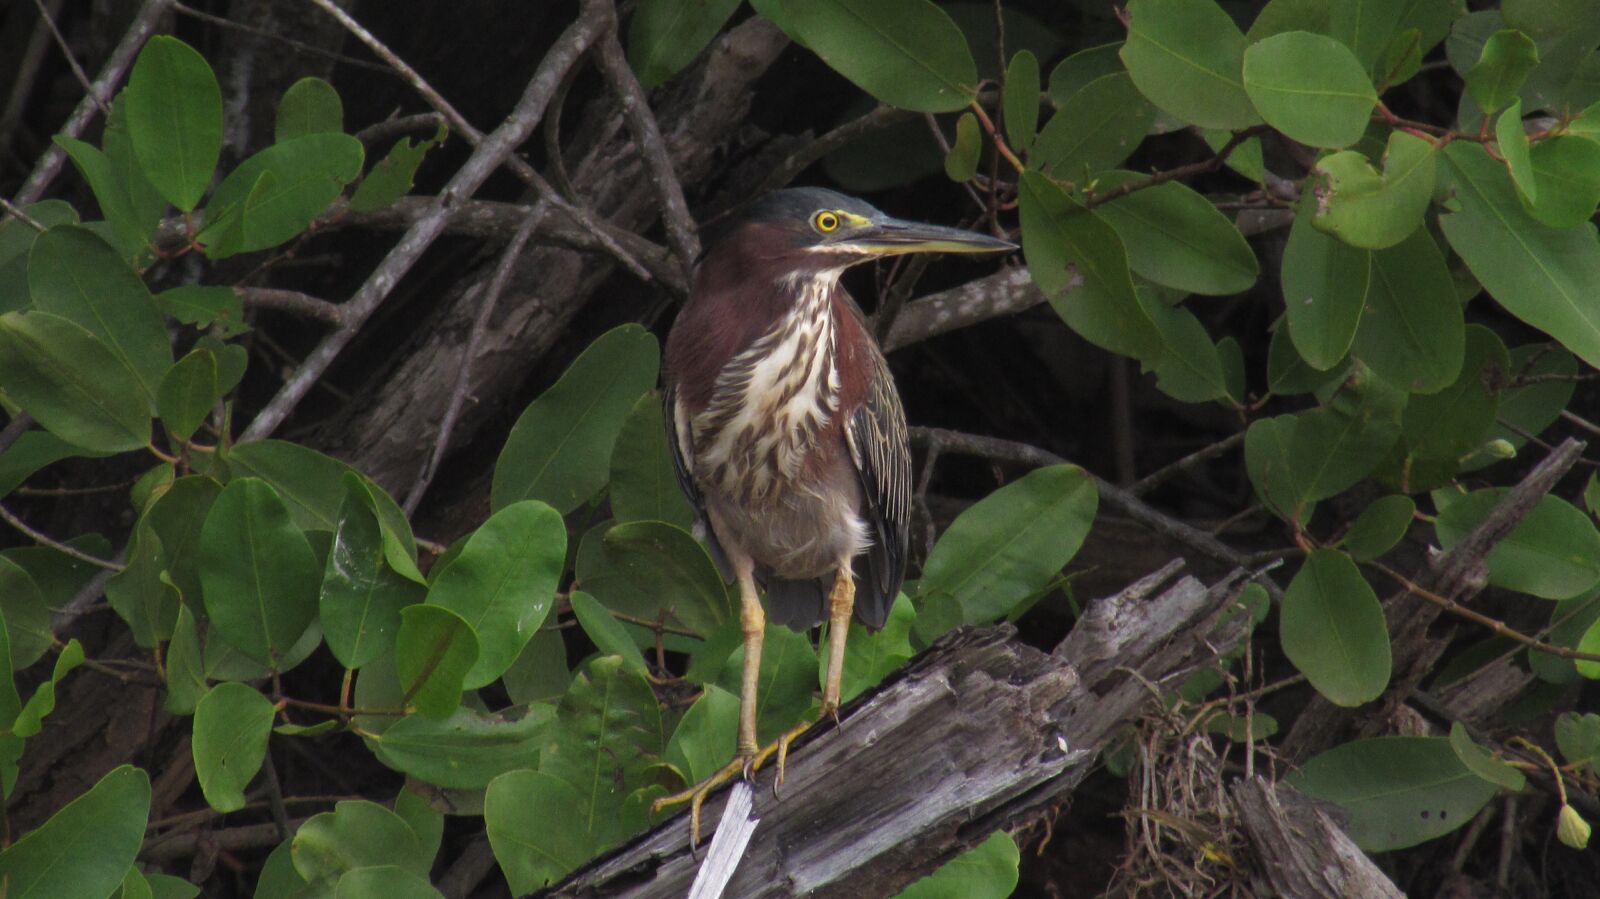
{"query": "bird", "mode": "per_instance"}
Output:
(787, 433)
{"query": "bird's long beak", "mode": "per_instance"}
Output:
(893, 237)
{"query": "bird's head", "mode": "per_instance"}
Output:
(806, 230)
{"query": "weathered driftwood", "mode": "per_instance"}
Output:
(1299, 851)
(978, 733)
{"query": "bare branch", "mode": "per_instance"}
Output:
(292, 301)
(64, 548)
(480, 326)
(646, 132)
(46, 16)
(593, 19)
(139, 31)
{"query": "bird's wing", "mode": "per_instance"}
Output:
(880, 449)
(681, 443)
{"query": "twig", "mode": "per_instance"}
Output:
(1500, 628)
(480, 328)
(1007, 291)
(72, 61)
(652, 149)
(1114, 496)
(264, 34)
(65, 549)
(23, 82)
(495, 148)
(1199, 457)
(803, 158)
(1182, 171)
(16, 212)
(394, 127)
(589, 16)
(139, 31)
(302, 304)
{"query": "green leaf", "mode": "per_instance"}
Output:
(1379, 527)
(1567, 172)
(608, 634)
(788, 678)
(186, 676)
(257, 572)
(177, 516)
(231, 726)
(1508, 56)
(166, 886)
(309, 106)
(1187, 56)
(559, 451)
(643, 485)
(540, 673)
(1009, 544)
(1553, 554)
(32, 451)
(907, 53)
(1325, 285)
(961, 163)
(869, 657)
(1096, 128)
(1512, 139)
(1080, 264)
(384, 882)
(28, 634)
(1189, 368)
(361, 595)
(43, 701)
(356, 834)
(1367, 210)
(175, 119)
(314, 487)
(608, 733)
(1451, 423)
(1578, 737)
(1482, 762)
(86, 848)
(203, 307)
(392, 177)
(69, 380)
(666, 35)
(705, 738)
(518, 810)
(131, 226)
(434, 651)
(1398, 791)
(1270, 464)
(76, 275)
(647, 567)
(138, 592)
(1334, 447)
(303, 176)
(279, 879)
(466, 750)
(1332, 629)
(1589, 643)
(1412, 333)
(503, 583)
(187, 393)
(1021, 100)
(987, 871)
(1071, 74)
(1175, 237)
(426, 821)
(1310, 87)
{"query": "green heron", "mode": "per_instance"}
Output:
(787, 432)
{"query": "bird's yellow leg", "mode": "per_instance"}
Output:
(753, 622)
(841, 605)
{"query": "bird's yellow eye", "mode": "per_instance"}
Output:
(826, 222)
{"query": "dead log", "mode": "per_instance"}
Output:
(979, 733)
(1299, 850)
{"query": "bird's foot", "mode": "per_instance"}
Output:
(780, 746)
(696, 795)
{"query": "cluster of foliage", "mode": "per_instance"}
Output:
(1402, 231)
(248, 559)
